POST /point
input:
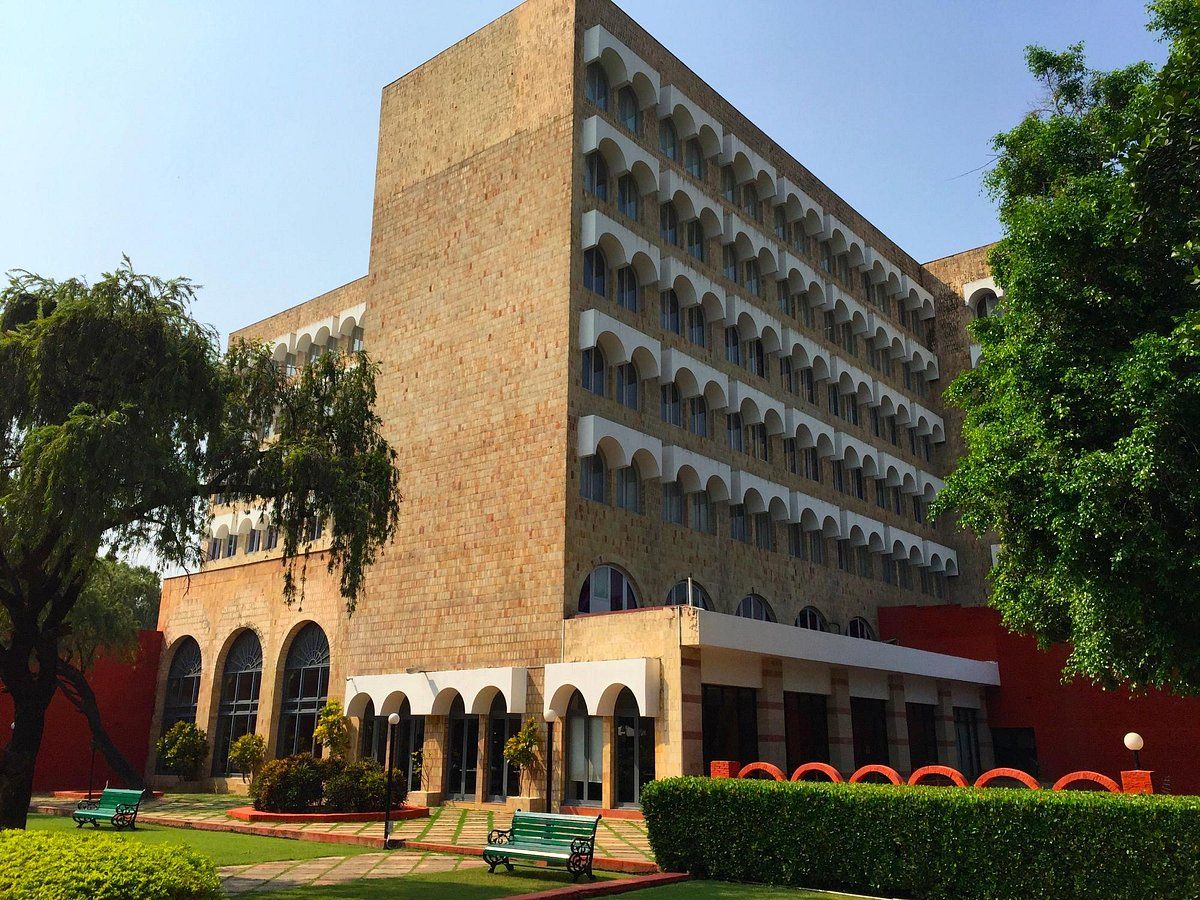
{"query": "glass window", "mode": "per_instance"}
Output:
(733, 345)
(605, 590)
(728, 183)
(729, 723)
(596, 85)
(629, 489)
(183, 685)
(585, 754)
(253, 540)
(752, 282)
(750, 203)
(812, 463)
(503, 778)
(672, 503)
(796, 546)
(356, 339)
(695, 239)
(670, 406)
(966, 732)
(698, 416)
(237, 711)
(668, 223)
(756, 358)
(729, 266)
(629, 199)
(272, 538)
(860, 628)
(595, 271)
(816, 547)
(764, 535)
(628, 391)
(757, 445)
(781, 223)
(627, 109)
(668, 306)
(696, 332)
(628, 289)
(739, 528)
(668, 140)
(595, 175)
(462, 763)
(694, 158)
(593, 478)
(701, 515)
(812, 618)
(753, 606)
(594, 371)
(733, 432)
(633, 749)
(688, 592)
(305, 690)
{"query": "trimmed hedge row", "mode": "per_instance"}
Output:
(100, 867)
(927, 841)
(302, 784)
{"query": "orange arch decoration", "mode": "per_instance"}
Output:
(886, 771)
(1016, 774)
(770, 769)
(924, 772)
(1103, 780)
(824, 768)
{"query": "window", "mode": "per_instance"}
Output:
(791, 456)
(237, 711)
(750, 204)
(700, 509)
(305, 690)
(594, 371)
(231, 545)
(805, 728)
(866, 566)
(756, 358)
(808, 384)
(607, 589)
(698, 416)
(593, 478)
(596, 85)
(695, 239)
(729, 722)
(668, 223)
(844, 552)
(728, 183)
(812, 464)
(738, 527)
(889, 570)
(859, 484)
(693, 158)
(215, 546)
(811, 618)
(672, 503)
(670, 407)
(816, 547)
(904, 571)
(633, 749)
(860, 628)
(629, 198)
(253, 540)
(629, 489)
(183, 685)
(835, 405)
(668, 140)
(503, 778)
(733, 432)
(881, 494)
(764, 537)
(876, 422)
(696, 332)
(729, 266)
(595, 175)
(796, 547)
(753, 606)
(758, 445)
(688, 593)
(922, 734)
(584, 753)
(868, 725)
(781, 223)
(733, 345)
(966, 733)
(826, 257)
(783, 296)
(627, 288)
(595, 271)
(752, 281)
(839, 474)
(918, 510)
(627, 109)
(627, 385)
(356, 339)
(272, 538)
(668, 312)
(787, 375)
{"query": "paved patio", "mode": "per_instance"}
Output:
(285, 874)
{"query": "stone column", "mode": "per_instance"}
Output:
(481, 762)
(433, 761)
(947, 741)
(691, 717)
(841, 736)
(897, 726)
(608, 757)
(771, 733)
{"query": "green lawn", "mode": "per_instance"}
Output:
(225, 848)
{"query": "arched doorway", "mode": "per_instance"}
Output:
(634, 751)
(463, 757)
(585, 754)
(305, 690)
(503, 778)
(237, 711)
(409, 748)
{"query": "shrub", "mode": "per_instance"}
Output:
(101, 867)
(927, 841)
(182, 750)
(333, 730)
(246, 754)
(521, 749)
(360, 786)
(293, 784)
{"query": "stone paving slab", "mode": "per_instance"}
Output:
(339, 870)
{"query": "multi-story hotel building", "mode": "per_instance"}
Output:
(668, 421)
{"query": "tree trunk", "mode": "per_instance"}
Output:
(30, 699)
(76, 689)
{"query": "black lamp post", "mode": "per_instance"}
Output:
(393, 721)
(91, 768)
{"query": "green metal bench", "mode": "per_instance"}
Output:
(547, 837)
(117, 807)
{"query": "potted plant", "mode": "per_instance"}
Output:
(523, 750)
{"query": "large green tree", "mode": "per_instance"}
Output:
(119, 419)
(1083, 416)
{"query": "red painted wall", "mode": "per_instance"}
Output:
(1076, 725)
(125, 694)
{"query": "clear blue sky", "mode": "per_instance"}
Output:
(235, 143)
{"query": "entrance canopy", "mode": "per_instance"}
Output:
(432, 693)
(601, 682)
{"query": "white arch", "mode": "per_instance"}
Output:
(600, 683)
(620, 342)
(619, 444)
(622, 64)
(620, 245)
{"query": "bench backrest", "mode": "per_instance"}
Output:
(552, 829)
(112, 796)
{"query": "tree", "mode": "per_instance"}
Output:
(119, 419)
(247, 753)
(333, 730)
(182, 750)
(1083, 415)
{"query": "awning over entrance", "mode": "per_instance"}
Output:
(601, 682)
(432, 693)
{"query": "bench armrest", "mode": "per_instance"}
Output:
(127, 807)
(88, 804)
(583, 845)
(500, 836)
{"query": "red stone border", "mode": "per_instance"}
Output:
(1003, 772)
(1103, 780)
(618, 813)
(768, 768)
(250, 814)
(605, 888)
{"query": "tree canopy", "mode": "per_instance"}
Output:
(119, 419)
(1082, 418)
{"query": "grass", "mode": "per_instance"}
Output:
(225, 848)
(464, 884)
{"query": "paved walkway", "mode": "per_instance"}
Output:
(622, 839)
(285, 874)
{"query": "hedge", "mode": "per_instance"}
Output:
(927, 841)
(302, 784)
(100, 867)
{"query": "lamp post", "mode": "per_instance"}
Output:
(393, 721)
(1134, 742)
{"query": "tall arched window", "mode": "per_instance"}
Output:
(596, 80)
(183, 685)
(633, 748)
(860, 628)
(593, 478)
(594, 371)
(668, 312)
(627, 288)
(585, 749)
(503, 778)
(607, 589)
(693, 155)
(627, 385)
(305, 690)
(595, 175)
(627, 109)
(595, 271)
(755, 607)
(680, 595)
(811, 618)
(237, 712)
(628, 196)
(668, 140)
(668, 223)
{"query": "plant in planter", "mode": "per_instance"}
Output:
(182, 750)
(246, 755)
(521, 750)
(333, 730)
(294, 784)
